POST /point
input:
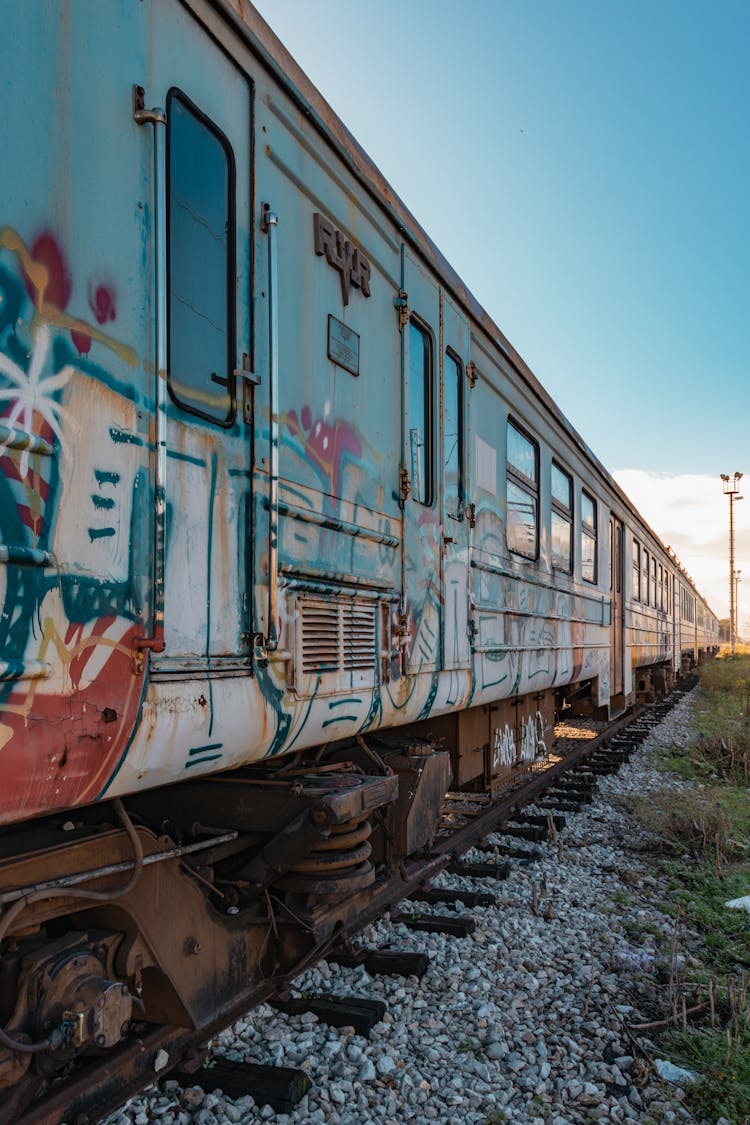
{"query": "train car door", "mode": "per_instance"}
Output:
(422, 535)
(616, 541)
(454, 356)
(208, 213)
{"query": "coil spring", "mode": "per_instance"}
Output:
(337, 865)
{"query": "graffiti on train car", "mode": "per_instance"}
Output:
(533, 745)
(67, 605)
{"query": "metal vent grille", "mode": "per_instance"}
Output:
(337, 636)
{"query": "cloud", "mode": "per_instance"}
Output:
(691, 514)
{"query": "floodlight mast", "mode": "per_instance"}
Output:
(731, 489)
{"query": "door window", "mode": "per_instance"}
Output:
(200, 224)
(453, 436)
(562, 520)
(420, 413)
(588, 538)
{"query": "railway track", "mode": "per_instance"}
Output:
(559, 789)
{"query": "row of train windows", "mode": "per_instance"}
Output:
(687, 605)
(522, 467)
(652, 584)
(522, 480)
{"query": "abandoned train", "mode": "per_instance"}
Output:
(291, 539)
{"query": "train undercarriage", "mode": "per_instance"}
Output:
(184, 906)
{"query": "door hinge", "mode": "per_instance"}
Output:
(401, 304)
(471, 374)
(471, 515)
(472, 629)
(404, 485)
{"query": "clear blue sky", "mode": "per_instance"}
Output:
(585, 167)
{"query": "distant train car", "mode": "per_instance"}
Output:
(277, 498)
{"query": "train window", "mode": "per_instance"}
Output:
(561, 538)
(661, 587)
(636, 571)
(644, 586)
(201, 239)
(420, 413)
(654, 602)
(522, 527)
(588, 538)
(453, 435)
(523, 493)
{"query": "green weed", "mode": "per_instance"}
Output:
(723, 1089)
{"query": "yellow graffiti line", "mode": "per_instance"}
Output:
(38, 276)
(6, 733)
(51, 636)
(66, 655)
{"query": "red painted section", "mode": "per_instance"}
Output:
(62, 751)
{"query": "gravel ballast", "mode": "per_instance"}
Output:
(526, 1020)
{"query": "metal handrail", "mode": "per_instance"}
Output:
(269, 224)
(157, 117)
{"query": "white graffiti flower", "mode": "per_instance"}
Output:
(33, 391)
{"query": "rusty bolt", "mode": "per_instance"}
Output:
(192, 945)
(100, 1040)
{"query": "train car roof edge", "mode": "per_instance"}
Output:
(272, 53)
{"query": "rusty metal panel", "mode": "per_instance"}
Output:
(521, 736)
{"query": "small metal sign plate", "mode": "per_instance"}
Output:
(343, 345)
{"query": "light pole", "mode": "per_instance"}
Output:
(731, 489)
(737, 580)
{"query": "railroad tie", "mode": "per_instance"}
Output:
(569, 806)
(384, 962)
(524, 855)
(466, 898)
(539, 819)
(281, 1087)
(460, 926)
(343, 1011)
(478, 870)
(524, 832)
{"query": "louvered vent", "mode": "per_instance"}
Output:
(337, 636)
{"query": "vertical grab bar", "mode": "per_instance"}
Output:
(269, 225)
(157, 117)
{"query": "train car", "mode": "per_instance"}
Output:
(671, 628)
(292, 539)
